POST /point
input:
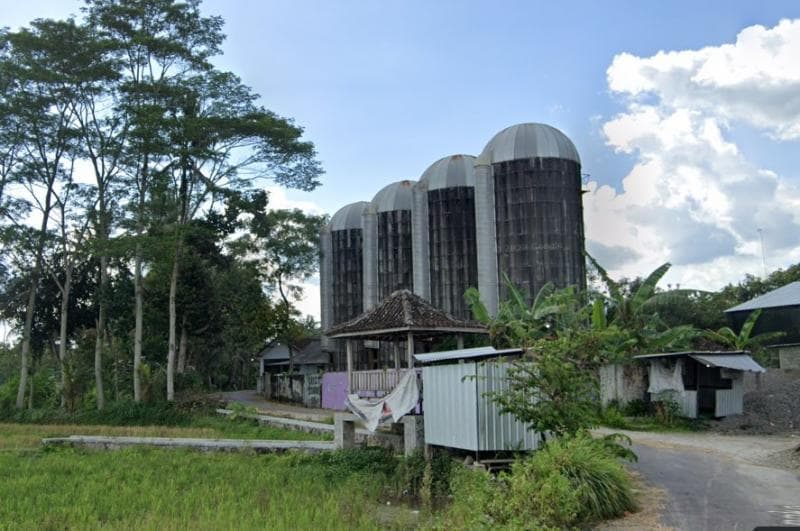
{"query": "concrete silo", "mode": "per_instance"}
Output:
(387, 223)
(445, 258)
(341, 268)
(529, 213)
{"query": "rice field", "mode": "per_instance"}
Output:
(175, 489)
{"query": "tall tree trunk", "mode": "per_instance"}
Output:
(182, 346)
(173, 292)
(62, 332)
(137, 333)
(99, 343)
(25, 350)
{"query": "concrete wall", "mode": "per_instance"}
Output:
(770, 379)
(623, 383)
(789, 357)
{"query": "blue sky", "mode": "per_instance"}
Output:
(386, 88)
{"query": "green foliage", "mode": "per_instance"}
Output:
(554, 389)
(569, 482)
(666, 412)
(744, 340)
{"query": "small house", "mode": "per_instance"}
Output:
(458, 411)
(702, 383)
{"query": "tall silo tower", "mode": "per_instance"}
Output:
(341, 268)
(390, 211)
(445, 259)
(529, 212)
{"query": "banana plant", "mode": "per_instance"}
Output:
(744, 340)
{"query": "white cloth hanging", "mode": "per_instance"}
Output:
(401, 400)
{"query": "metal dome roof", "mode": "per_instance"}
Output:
(449, 172)
(396, 196)
(525, 141)
(348, 217)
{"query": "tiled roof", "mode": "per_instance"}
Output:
(403, 311)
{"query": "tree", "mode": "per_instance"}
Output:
(285, 242)
(744, 340)
(37, 96)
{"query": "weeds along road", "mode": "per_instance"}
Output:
(719, 482)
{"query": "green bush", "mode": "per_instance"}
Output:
(636, 408)
(571, 481)
(424, 480)
(612, 417)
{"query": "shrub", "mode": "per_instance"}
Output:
(636, 408)
(613, 418)
(571, 481)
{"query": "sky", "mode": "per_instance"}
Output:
(686, 115)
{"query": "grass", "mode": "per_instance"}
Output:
(29, 436)
(63, 488)
(168, 489)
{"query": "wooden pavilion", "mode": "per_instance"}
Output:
(402, 316)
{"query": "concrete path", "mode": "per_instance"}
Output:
(259, 446)
(278, 409)
(719, 482)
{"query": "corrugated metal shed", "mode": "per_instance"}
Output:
(788, 295)
(527, 141)
(466, 353)
(459, 414)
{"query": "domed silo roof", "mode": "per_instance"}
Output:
(348, 217)
(525, 141)
(449, 172)
(396, 196)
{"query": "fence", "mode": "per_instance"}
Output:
(303, 389)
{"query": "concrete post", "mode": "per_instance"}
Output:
(419, 241)
(344, 431)
(486, 237)
(349, 349)
(410, 350)
(326, 286)
(413, 434)
(369, 222)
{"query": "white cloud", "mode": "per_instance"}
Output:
(692, 198)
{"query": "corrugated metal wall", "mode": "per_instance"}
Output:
(459, 415)
(730, 401)
(450, 403)
(539, 217)
(498, 431)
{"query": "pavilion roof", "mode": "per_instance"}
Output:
(400, 313)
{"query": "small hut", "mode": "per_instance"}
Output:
(702, 383)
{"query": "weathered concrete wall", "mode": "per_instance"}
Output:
(622, 383)
(789, 357)
(770, 379)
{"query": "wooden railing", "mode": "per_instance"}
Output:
(383, 380)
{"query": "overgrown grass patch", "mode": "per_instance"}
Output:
(168, 489)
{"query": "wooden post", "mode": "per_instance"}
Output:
(349, 349)
(460, 341)
(410, 350)
(396, 349)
